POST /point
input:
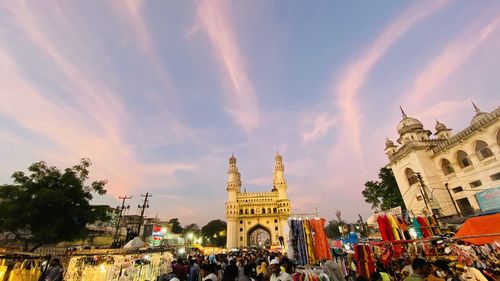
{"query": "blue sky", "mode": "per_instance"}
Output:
(158, 94)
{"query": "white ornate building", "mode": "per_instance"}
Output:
(454, 168)
(247, 212)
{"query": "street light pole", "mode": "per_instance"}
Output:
(122, 207)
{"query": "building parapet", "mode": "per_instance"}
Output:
(467, 131)
(257, 194)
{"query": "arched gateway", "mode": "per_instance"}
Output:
(253, 216)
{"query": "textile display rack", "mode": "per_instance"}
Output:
(392, 256)
(22, 266)
(118, 265)
(307, 241)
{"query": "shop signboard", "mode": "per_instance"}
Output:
(489, 199)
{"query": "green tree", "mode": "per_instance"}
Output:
(332, 229)
(176, 226)
(215, 232)
(192, 228)
(47, 205)
(384, 193)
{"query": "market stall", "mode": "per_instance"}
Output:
(118, 265)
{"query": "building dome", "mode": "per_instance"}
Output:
(440, 126)
(480, 116)
(409, 124)
(278, 157)
(232, 159)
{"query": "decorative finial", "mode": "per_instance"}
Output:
(402, 112)
(475, 107)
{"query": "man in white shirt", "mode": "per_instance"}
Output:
(276, 274)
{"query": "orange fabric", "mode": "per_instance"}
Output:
(321, 247)
(480, 225)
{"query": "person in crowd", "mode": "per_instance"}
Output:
(231, 272)
(440, 271)
(333, 271)
(276, 273)
(207, 272)
(406, 271)
(55, 271)
(469, 273)
(262, 272)
(380, 276)
(421, 269)
(180, 270)
(193, 271)
(247, 272)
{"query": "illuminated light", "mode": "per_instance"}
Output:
(182, 251)
(102, 267)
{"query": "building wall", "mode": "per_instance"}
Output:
(426, 157)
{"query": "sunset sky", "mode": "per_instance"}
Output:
(158, 94)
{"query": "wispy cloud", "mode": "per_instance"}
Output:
(214, 18)
(93, 129)
(346, 89)
(452, 56)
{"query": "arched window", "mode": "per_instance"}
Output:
(252, 212)
(498, 137)
(263, 210)
(241, 211)
(246, 211)
(446, 166)
(269, 210)
(410, 176)
(274, 210)
(463, 159)
(482, 150)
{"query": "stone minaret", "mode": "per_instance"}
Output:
(279, 180)
(233, 187)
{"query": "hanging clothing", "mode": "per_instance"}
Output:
(309, 242)
(321, 247)
(423, 227)
(382, 228)
(394, 226)
(418, 228)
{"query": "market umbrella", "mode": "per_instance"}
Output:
(480, 230)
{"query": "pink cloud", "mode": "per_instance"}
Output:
(213, 18)
(449, 60)
(92, 130)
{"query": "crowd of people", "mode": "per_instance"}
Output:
(268, 266)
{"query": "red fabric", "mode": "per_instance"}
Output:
(423, 224)
(483, 225)
(382, 228)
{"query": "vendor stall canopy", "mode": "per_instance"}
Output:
(487, 228)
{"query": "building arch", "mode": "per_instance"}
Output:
(411, 176)
(446, 166)
(256, 228)
(497, 136)
(463, 159)
(482, 150)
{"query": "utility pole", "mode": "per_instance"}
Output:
(423, 192)
(143, 207)
(122, 207)
(451, 197)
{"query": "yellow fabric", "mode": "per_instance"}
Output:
(309, 242)
(25, 274)
(394, 226)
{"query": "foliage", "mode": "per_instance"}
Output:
(384, 193)
(176, 226)
(332, 229)
(215, 232)
(48, 206)
(192, 228)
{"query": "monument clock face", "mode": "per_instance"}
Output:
(256, 219)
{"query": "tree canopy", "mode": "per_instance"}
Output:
(176, 226)
(215, 232)
(192, 228)
(48, 205)
(384, 193)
